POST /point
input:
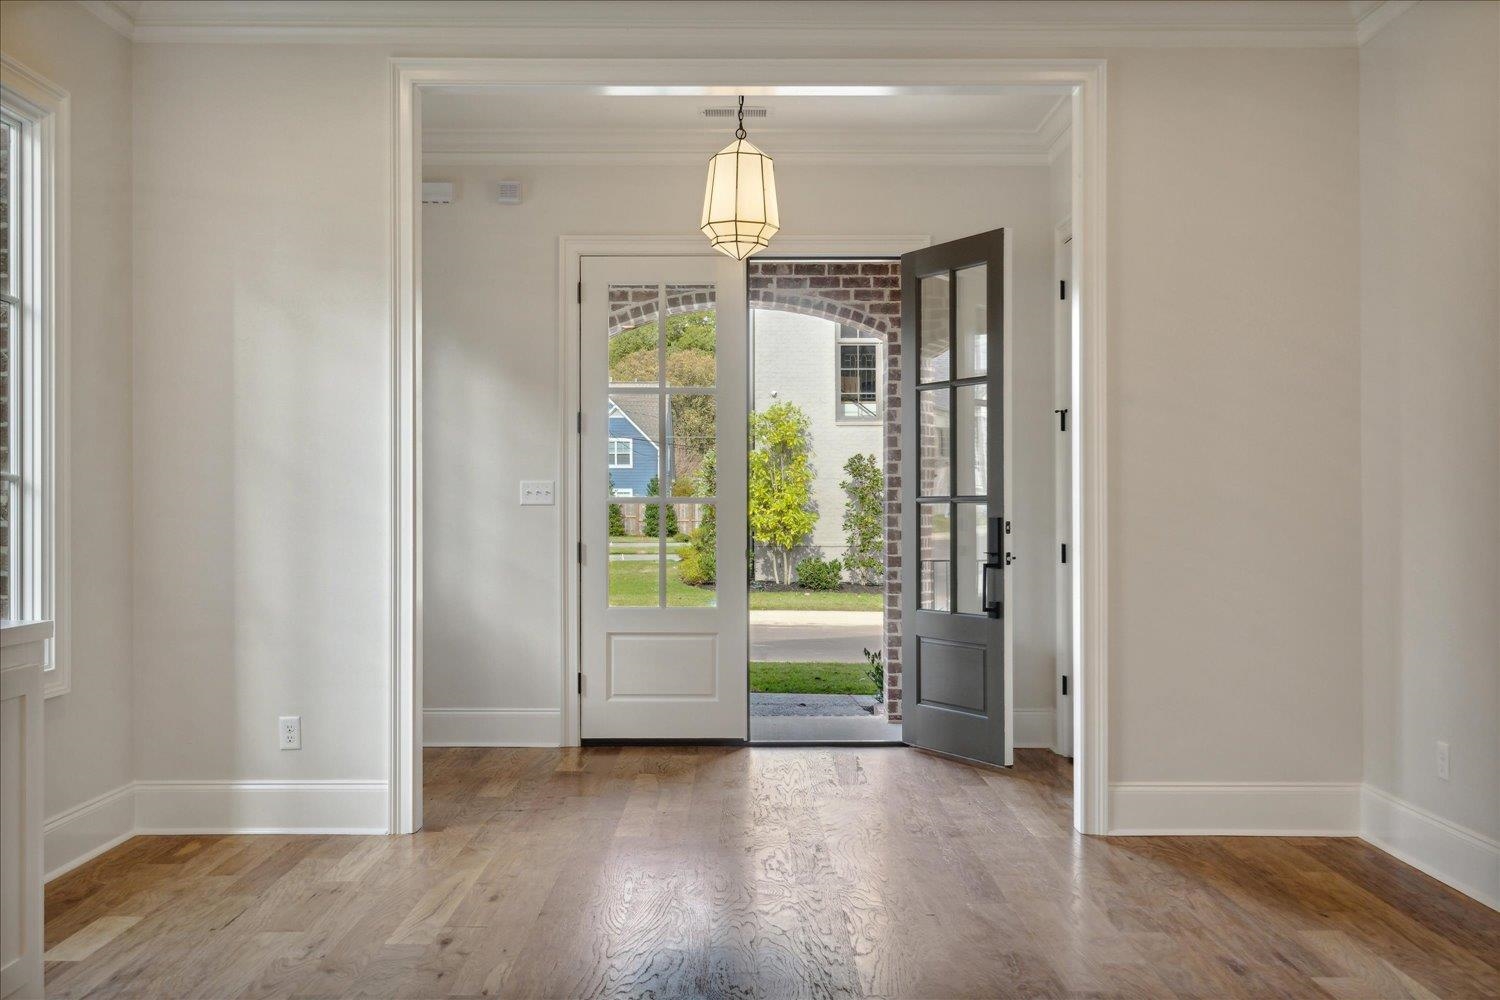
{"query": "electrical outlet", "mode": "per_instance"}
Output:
(289, 732)
(1442, 759)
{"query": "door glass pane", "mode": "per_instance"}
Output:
(633, 358)
(971, 440)
(933, 334)
(691, 335)
(932, 442)
(933, 550)
(691, 556)
(631, 451)
(690, 445)
(972, 542)
(634, 555)
(972, 333)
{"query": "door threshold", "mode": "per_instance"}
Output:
(651, 742)
(826, 743)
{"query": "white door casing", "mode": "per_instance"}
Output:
(655, 666)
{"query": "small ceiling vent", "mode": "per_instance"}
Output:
(731, 111)
(508, 192)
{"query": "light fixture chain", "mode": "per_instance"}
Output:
(740, 132)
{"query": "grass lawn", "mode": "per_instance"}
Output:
(810, 678)
(633, 585)
(815, 600)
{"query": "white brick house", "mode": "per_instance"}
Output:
(836, 373)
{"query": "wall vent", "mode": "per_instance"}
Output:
(508, 192)
(732, 111)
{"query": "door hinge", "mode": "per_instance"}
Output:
(1007, 527)
(1062, 288)
(1062, 418)
(1064, 551)
(1064, 683)
(580, 293)
(580, 682)
(580, 421)
(580, 552)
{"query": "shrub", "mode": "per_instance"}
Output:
(694, 570)
(781, 480)
(649, 518)
(819, 574)
(864, 514)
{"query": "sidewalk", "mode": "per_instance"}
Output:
(824, 619)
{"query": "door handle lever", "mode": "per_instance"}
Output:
(991, 607)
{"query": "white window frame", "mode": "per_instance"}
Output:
(40, 582)
(853, 336)
(629, 452)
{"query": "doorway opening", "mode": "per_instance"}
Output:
(825, 643)
(528, 708)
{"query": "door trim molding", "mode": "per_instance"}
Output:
(1087, 78)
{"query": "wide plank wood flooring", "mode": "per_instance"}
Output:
(730, 872)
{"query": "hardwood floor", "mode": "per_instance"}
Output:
(663, 872)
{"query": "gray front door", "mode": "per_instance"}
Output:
(952, 492)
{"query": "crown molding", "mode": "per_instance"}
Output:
(461, 147)
(114, 13)
(782, 27)
(1373, 20)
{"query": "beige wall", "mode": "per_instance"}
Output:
(262, 363)
(1430, 253)
(1234, 416)
(88, 731)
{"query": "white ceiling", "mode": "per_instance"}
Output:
(468, 125)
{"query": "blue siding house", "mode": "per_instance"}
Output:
(633, 450)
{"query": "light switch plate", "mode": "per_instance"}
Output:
(536, 493)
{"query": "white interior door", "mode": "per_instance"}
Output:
(1062, 455)
(664, 644)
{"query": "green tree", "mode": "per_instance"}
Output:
(650, 520)
(864, 509)
(699, 564)
(616, 515)
(780, 487)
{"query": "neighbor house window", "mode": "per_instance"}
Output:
(621, 453)
(33, 142)
(858, 375)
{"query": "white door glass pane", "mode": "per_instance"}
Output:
(634, 334)
(934, 337)
(971, 540)
(969, 313)
(690, 440)
(691, 556)
(971, 440)
(933, 550)
(631, 452)
(933, 461)
(692, 335)
(634, 555)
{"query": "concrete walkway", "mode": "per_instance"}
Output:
(836, 619)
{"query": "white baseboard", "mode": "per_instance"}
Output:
(1266, 809)
(491, 727)
(1035, 727)
(1465, 859)
(87, 830)
(354, 807)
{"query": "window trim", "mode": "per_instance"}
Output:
(629, 451)
(44, 110)
(849, 336)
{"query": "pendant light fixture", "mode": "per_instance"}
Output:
(739, 204)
